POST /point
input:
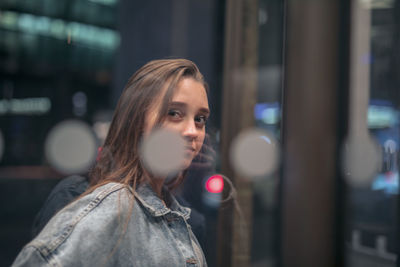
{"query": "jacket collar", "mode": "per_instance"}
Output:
(153, 204)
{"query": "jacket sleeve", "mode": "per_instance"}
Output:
(30, 256)
(62, 194)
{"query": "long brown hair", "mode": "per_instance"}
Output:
(119, 160)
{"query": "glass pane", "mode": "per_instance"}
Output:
(372, 223)
(63, 67)
(267, 112)
(54, 66)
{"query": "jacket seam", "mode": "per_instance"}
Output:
(51, 261)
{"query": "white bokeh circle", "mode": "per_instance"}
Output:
(254, 153)
(163, 152)
(361, 160)
(71, 147)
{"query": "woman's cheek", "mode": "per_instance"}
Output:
(200, 143)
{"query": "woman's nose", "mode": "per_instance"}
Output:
(190, 131)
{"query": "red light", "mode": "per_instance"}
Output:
(215, 184)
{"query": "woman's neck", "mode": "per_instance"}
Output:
(157, 185)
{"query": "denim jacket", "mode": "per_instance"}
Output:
(102, 229)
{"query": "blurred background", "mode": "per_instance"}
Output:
(319, 79)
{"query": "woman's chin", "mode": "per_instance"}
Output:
(186, 163)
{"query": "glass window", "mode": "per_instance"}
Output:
(64, 65)
(372, 223)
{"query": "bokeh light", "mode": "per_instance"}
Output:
(71, 147)
(361, 160)
(163, 152)
(215, 184)
(254, 153)
(79, 103)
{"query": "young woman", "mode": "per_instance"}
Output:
(128, 217)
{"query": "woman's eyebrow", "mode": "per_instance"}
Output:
(204, 110)
(179, 104)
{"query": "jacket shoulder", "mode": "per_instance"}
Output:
(89, 215)
(30, 256)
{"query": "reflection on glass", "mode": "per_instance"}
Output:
(372, 224)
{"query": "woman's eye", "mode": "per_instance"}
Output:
(175, 114)
(201, 120)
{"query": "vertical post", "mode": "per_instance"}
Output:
(310, 133)
(239, 98)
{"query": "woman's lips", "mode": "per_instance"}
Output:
(190, 149)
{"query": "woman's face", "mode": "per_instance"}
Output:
(187, 115)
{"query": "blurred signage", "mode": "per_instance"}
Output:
(60, 29)
(268, 113)
(380, 116)
(25, 106)
(104, 2)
